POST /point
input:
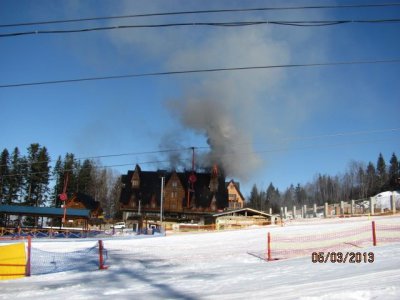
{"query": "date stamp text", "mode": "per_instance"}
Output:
(343, 257)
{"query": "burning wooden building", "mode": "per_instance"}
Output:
(186, 196)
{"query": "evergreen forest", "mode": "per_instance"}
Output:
(32, 179)
(359, 181)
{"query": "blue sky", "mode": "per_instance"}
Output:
(277, 125)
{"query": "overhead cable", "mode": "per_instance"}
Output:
(229, 153)
(234, 10)
(152, 74)
(211, 24)
(161, 151)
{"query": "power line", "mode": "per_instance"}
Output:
(107, 156)
(218, 155)
(341, 134)
(151, 74)
(346, 6)
(94, 167)
(210, 24)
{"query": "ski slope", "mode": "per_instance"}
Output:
(217, 265)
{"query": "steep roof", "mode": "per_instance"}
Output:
(87, 201)
(243, 211)
(237, 186)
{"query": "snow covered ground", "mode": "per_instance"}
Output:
(217, 266)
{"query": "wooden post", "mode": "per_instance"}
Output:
(373, 233)
(269, 258)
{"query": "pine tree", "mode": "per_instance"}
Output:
(300, 195)
(71, 166)
(57, 189)
(289, 196)
(269, 196)
(394, 173)
(17, 171)
(38, 175)
(371, 180)
(254, 199)
(4, 175)
(86, 180)
(381, 172)
(274, 198)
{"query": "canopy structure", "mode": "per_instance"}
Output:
(19, 210)
(53, 212)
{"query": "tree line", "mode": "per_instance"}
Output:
(360, 181)
(31, 180)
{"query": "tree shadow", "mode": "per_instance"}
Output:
(153, 271)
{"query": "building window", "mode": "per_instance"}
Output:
(135, 183)
(174, 184)
(174, 195)
(232, 197)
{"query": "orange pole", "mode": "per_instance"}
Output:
(373, 233)
(101, 258)
(269, 258)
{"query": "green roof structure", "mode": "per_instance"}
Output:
(44, 211)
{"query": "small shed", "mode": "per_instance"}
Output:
(240, 218)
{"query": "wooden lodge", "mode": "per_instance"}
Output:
(83, 201)
(187, 196)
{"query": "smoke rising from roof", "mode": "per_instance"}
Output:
(229, 109)
(230, 146)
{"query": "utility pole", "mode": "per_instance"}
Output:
(162, 198)
(192, 180)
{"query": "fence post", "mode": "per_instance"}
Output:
(28, 261)
(326, 210)
(269, 258)
(373, 233)
(393, 203)
(101, 258)
(372, 206)
(342, 208)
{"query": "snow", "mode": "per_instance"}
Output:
(217, 265)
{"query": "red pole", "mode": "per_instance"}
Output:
(101, 259)
(28, 262)
(269, 258)
(373, 233)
